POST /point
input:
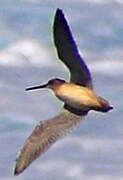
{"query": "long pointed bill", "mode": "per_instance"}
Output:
(36, 87)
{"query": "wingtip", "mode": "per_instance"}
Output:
(59, 10)
(14, 170)
(59, 13)
(15, 173)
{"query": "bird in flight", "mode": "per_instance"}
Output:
(78, 97)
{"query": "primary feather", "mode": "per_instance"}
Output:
(68, 52)
(43, 136)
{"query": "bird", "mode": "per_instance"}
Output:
(77, 95)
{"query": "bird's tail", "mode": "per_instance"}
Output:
(104, 105)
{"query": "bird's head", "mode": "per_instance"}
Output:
(52, 84)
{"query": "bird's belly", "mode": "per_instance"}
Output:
(79, 100)
(75, 104)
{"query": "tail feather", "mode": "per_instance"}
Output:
(104, 105)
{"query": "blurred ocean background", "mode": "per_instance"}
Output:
(93, 151)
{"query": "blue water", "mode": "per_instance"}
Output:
(27, 57)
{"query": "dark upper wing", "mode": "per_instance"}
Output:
(43, 136)
(68, 52)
